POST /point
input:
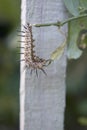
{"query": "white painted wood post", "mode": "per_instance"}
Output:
(42, 99)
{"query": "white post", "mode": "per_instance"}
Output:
(42, 99)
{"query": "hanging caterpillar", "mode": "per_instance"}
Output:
(31, 60)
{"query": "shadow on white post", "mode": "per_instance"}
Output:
(42, 99)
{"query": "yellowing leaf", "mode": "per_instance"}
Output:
(58, 52)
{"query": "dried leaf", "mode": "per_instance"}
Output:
(58, 52)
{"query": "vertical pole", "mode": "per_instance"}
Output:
(42, 99)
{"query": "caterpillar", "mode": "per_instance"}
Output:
(32, 61)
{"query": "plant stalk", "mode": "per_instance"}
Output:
(59, 24)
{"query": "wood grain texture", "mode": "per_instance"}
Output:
(42, 99)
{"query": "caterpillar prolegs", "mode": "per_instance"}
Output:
(32, 61)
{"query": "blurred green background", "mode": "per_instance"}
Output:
(76, 98)
(9, 67)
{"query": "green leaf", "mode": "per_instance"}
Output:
(58, 52)
(75, 43)
(75, 27)
(75, 7)
(72, 6)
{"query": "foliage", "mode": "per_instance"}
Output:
(77, 42)
(77, 37)
(76, 8)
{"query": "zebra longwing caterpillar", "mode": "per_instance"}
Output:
(32, 61)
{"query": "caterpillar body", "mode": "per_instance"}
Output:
(32, 61)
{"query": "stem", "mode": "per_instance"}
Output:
(73, 18)
(59, 24)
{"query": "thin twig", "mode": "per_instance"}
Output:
(59, 24)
